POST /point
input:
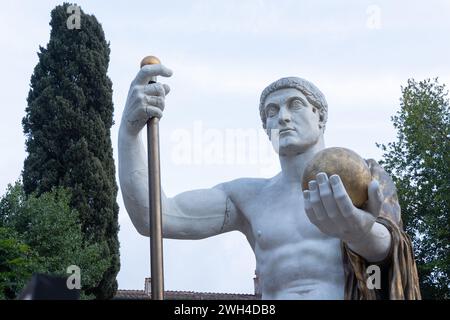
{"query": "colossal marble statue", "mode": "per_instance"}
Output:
(308, 244)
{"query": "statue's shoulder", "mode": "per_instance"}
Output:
(244, 188)
(248, 184)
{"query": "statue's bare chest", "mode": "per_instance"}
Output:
(277, 217)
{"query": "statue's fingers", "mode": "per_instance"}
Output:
(336, 220)
(155, 101)
(311, 214)
(308, 208)
(326, 195)
(343, 201)
(316, 203)
(137, 118)
(155, 89)
(149, 71)
(166, 88)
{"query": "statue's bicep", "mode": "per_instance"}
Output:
(199, 214)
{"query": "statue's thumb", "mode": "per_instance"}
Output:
(375, 198)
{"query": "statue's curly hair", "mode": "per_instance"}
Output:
(311, 92)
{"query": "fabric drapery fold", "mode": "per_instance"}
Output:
(399, 277)
(398, 271)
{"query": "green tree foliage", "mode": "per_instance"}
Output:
(419, 162)
(43, 235)
(17, 262)
(67, 125)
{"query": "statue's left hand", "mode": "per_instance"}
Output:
(329, 207)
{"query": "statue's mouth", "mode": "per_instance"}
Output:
(286, 130)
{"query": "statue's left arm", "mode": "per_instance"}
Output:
(373, 236)
(329, 207)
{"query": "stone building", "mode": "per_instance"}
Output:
(187, 295)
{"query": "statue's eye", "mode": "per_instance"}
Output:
(271, 111)
(297, 104)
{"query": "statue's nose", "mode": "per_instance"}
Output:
(284, 116)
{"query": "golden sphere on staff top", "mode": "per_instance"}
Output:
(150, 60)
(351, 168)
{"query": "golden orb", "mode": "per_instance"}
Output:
(150, 60)
(351, 168)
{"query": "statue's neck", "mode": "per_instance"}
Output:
(292, 166)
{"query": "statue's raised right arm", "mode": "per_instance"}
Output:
(193, 214)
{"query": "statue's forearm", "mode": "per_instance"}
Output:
(375, 246)
(132, 163)
(133, 177)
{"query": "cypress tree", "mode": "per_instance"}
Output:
(67, 128)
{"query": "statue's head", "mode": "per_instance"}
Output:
(309, 90)
(297, 105)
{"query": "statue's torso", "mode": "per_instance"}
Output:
(294, 259)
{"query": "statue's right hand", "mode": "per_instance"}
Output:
(145, 100)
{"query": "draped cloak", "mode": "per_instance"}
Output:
(399, 279)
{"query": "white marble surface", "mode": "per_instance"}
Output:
(295, 237)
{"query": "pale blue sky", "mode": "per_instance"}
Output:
(223, 53)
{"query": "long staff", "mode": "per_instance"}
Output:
(154, 194)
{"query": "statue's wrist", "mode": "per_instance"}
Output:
(374, 245)
(127, 129)
(361, 238)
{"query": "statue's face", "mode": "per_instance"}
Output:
(292, 122)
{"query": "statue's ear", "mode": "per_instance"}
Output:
(322, 127)
(321, 121)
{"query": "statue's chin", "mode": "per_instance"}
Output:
(294, 145)
(291, 150)
(294, 148)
